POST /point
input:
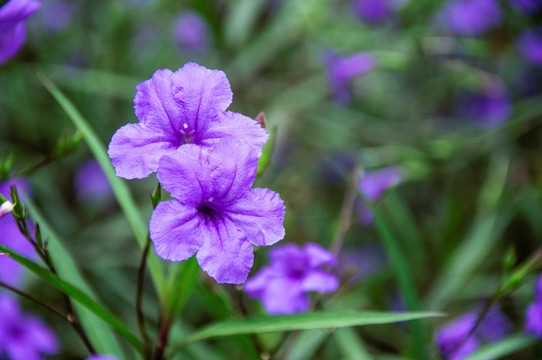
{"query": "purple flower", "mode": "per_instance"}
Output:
(494, 327)
(191, 32)
(57, 15)
(361, 261)
(283, 285)
(91, 183)
(12, 31)
(10, 271)
(452, 338)
(177, 108)
(215, 213)
(530, 46)
(102, 357)
(23, 337)
(372, 11)
(528, 5)
(342, 70)
(373, 184)
(533, 315)
(488, 108)
(470, 17)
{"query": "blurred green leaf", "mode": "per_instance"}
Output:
(75, 294)
(302, 322)
(183, 286)
(503, 348)
(404, 278)
(350, 345)
(121, 191)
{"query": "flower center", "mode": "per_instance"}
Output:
(187, 136)
(205, 209)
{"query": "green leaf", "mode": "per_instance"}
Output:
(350, 345)
(121, 191)
(404, 278)
(301, 322)
(75, 294)
(184, 283)
(99, 334)
(503, 348)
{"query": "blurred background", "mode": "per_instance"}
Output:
(448, 94)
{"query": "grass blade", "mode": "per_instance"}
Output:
(301, 322)
(121, 191)
(503, 348)
(75, 294)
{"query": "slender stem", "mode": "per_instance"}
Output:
(71, 314)
(345, 217)
(31, 168)
(139, 294)
(164, 326)
(29, 296)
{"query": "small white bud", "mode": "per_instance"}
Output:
(6, 208)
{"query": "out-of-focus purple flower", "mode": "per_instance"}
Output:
(57, 15)
(494, 327)
(533, 315)
(452, 338)
(489, 108)
(216, 213)
(361, 261)
(10, 236)
(283, 285)
(528, 5)
(373, 184)
(342, 70)
(102, 357)
(91, 183)
(176, 109)
(470, 17)
(530, 46)
(12, 31)
(23, 337)
(191, 32)
(372, 11)
(337, 167)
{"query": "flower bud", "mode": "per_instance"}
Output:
(6, 208)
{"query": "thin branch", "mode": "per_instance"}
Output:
(139, 294)
(345, 217)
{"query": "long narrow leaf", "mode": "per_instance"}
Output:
(302, 322)
(100, 335)
(503, 348)
(75, 294)
(121, 191)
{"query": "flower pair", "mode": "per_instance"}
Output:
(207, 159)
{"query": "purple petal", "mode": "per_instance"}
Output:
(257, 284)
(201, 93)
(240, 127)
(40, 336)
(185, 174)
(319, 256)
(374, 184)
(135, 150)
(102, 357)
(284, 296)
(191, 32)
(10, 271)
(12, 32)
(155, 105)
(177, 230)
(226, 255)
(533, 319)
(470, 17)
(320, 281)
(538, 289)
(233, 168)
(260, 215)
(285, 255)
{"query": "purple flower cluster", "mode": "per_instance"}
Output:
(23, 337)
(373, 11)
(12, 30)
(470, 17)
(533, 315)
(488, 108)
(207, 159)
(342, 70)
(454, 341)
(530, 46)
(283, 285)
